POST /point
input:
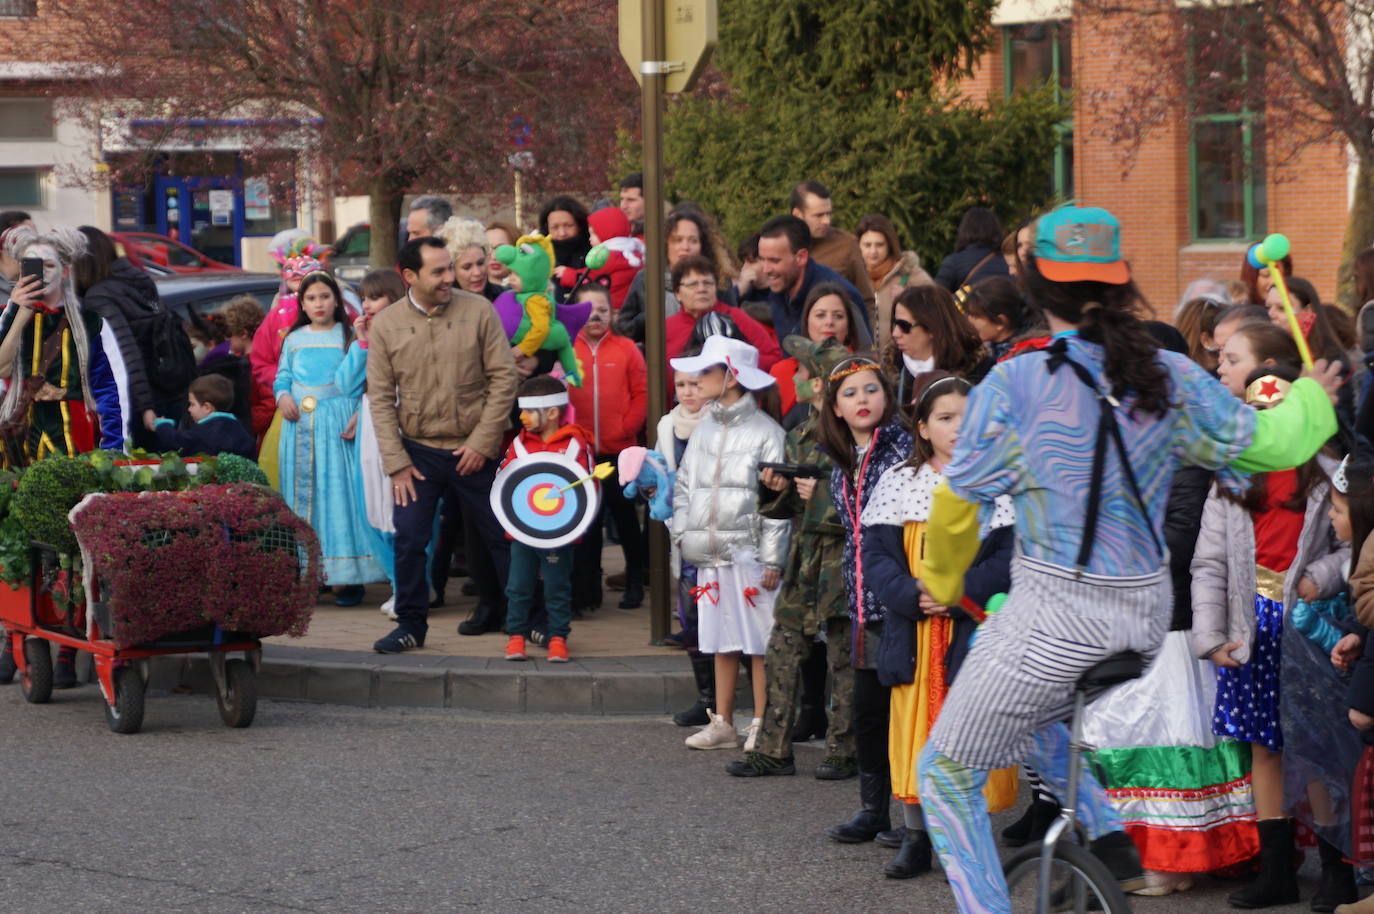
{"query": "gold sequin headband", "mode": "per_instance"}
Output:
(855, 368)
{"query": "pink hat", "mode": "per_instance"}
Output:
(630, 462)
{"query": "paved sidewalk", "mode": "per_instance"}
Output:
(613, 670)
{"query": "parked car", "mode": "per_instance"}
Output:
(206, 293)
(349, 260)
(160, 255)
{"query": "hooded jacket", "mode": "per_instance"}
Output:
(1224, 569)
(716, 493)
(126, 302)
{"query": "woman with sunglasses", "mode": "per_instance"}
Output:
(929, 333)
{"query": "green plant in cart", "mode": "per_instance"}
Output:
(47, 492)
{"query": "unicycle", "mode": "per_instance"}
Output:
(1060, 873)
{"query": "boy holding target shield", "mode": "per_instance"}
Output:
(544, 496)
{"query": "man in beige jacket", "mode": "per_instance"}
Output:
(440, 383)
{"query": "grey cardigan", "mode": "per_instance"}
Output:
(1224, 569)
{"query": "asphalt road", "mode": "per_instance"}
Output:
(322, 808)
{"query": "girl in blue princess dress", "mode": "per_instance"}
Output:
(318, 388)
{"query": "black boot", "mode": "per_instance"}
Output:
(7, 664)
(1337, 884)
(1033, 823)
(64, 670)
(483, 619)
(634, 595)
(1277, 882)
(875, 791)
(1118, 853)
(704, 671)
(913, 858)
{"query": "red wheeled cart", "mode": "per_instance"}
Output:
(33, 616)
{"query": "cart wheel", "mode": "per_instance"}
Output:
(126, 715)
(36, 680)
(239, 702)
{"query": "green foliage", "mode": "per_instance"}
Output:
(229, 468)
(920, 161)
(47, 491)
(848, 50)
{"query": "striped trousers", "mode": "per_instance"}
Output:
(1008, 703)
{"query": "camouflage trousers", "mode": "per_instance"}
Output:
(782, 667)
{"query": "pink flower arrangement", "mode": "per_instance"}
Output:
(167, 562)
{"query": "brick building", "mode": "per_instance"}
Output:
(201, 192)
(1189, 207)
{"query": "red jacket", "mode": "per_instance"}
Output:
(559, 444)
(610, 225)
(678, 331)
(613, 400)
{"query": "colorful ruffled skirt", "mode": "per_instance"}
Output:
(1183, 795)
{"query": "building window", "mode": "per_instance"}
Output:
(19, 8)
(26, 119)
(1226, 142)
(1034, 53)
(23, 188)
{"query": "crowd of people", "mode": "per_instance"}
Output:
(914, 509)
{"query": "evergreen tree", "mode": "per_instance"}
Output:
(862, 98)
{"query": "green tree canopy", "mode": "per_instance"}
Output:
(873, 47)
(863, 98)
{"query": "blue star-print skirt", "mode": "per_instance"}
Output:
(1247, 705)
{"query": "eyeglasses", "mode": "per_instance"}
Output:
(698, 284)
(904, 326)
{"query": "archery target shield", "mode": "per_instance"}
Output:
(535, 500)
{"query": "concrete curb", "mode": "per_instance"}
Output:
(596, 686)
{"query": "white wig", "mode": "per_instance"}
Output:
(459, 234)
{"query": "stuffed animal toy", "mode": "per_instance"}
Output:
(1316, 620)
(648, 470)
(531, 260)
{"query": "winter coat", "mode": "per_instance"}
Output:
(678, 333)
(891, 444)
(1182, 520)
(217, 433)
(905, 273)
(958, 268)
(1362, 585)
(612, 402)
(887, 566)
(126, 301)
(715, 497)
(1360, 695)
(1224, 569)
(812, 585)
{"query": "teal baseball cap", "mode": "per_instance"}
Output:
(1080, 244)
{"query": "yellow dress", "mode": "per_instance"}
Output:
(915, 706)
(267, 454)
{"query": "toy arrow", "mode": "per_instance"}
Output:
(601, 472)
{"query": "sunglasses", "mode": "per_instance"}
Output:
(904, 326)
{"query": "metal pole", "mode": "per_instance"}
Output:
(519, 222)
(655, 354)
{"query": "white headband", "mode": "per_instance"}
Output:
(548, 401)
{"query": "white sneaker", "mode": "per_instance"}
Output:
(716, 735)
(751, 733)
(389, 608)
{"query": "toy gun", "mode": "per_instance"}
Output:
(795, 470)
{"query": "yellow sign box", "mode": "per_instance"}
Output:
(689, 35)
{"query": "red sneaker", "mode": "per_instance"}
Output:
(515, 648)
(558, 650)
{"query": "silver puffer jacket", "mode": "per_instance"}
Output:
(716, 496)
